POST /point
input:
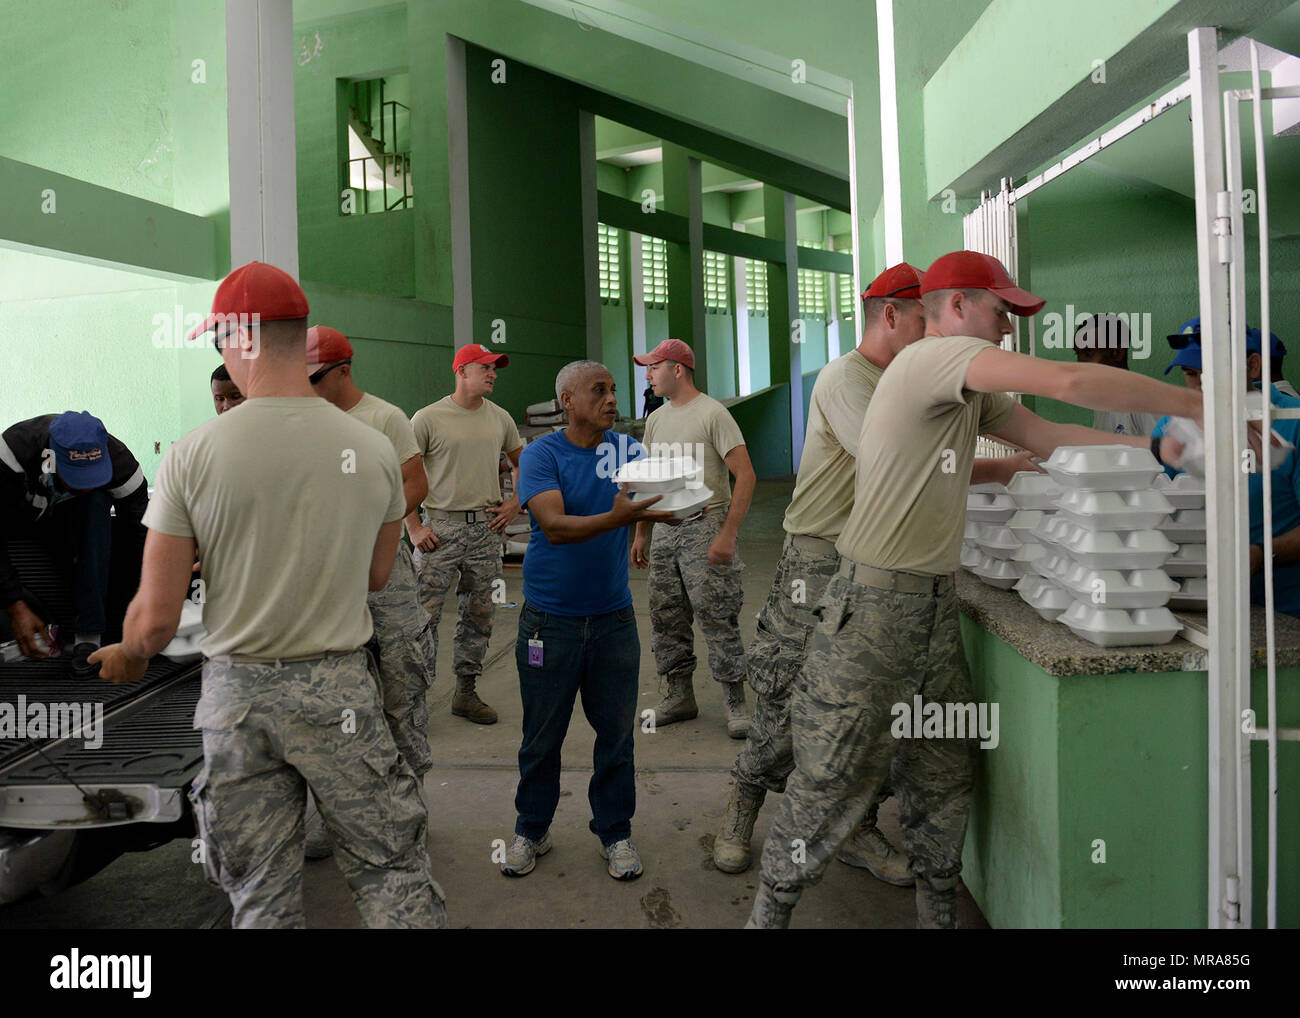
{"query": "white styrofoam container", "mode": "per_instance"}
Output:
(1192, 595)
(972, 557)
(1051, 529)
(996, 540)
(657, 476)
(681, 503)
(1188, 560)
(987, 507)
(1115, 549)
(1032, 490)
(1103, 467)
(998, 573)
(989, 488)
(1183, 492)
(1046, 597)
(1114, 510)
(1024, 521)
(1028, 552)
(1113, 627)
(551, 406)
(1137, 588)
(1187, 526)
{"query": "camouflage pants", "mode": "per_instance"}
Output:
(468, 555)
(273, 730)
(777, 654)
(405, 650)
(684, 586)
(873, 649)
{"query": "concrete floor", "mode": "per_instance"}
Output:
(682, 787)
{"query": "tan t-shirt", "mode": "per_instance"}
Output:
(823, 491)
(462, 452)
(383, 416)
(702, 429)
(285, 496)
(914, 458)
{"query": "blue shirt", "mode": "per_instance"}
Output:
(1286, 511)
(590, 577)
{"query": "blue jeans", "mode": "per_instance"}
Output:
(598, 656)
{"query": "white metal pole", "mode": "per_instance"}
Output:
(1207, 144)
(1241, 502)
(1266, 355)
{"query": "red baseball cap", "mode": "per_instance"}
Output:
(974, 270)
(255, 289)
(901, 280)
(668, 350)
(477, 353)
(326, 346)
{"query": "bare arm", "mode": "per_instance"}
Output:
(154, 612)
(547, 508)
(504, 514)
(723, 548)
(1088, 385)
(385, 551)
(1286, 551)
(415, 485)
(1001, 469)
(1041, 437)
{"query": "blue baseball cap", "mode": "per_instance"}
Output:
(80, 444)
(1187, 341)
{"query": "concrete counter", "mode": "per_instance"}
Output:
(1091, 810)
(1054, 647)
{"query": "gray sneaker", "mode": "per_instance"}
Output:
(624, 863)
(522, 854)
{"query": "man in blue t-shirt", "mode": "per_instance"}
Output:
(1286, 478)
(577, 630)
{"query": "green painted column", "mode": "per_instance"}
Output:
(783, 308)
(683, 195)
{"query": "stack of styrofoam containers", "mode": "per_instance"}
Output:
(1186, 528)
(999, 547)
(1105, 548)
(678, 479)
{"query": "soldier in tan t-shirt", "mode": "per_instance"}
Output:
(892, 318)
(458, 541)
(695, 568)
(280, 496)
(889, 627)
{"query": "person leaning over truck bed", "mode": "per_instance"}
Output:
(68, 484)
(280, 496)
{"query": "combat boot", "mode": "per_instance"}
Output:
(466, 704)
(737, 722)
(772, 908)
(936, 903)
(870, 850)
(678, 703)
(731, 847)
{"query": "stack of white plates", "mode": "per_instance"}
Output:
(1105, 546)
(678, 479)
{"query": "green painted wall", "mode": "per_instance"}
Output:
(372, 253)
(764, 418)
(1117, 758)
(721, 337)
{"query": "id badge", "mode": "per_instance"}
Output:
(534, 653)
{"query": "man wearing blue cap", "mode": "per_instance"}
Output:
(59, 475)
(1187, 341)
(1286, 478)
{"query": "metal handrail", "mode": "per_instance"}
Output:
(401, 163)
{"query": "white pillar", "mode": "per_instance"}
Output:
(263, 153)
